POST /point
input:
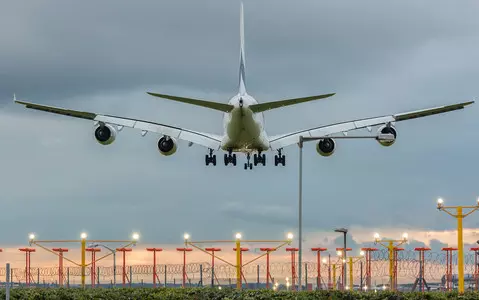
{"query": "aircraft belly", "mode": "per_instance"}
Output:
(244, 132)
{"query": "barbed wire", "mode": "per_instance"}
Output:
(407, 268)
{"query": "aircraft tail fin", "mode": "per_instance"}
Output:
(242, 75)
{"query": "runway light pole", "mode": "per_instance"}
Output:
(459, 215)
(302, 140)
(344, 231)
(391, 245)
(155, 275)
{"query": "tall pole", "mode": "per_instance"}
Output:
(351, 280)
(83, 261)
(238, 264)
(300, 212)
(345, 259)
(391, 264)
(459, 216)
(460, 249)
(7, 282)
(114, 268)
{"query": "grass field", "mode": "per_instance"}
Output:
(209, 293)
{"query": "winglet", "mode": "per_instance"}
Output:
(14, 98)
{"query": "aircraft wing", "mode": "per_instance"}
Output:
(204, 139)
(280, 141)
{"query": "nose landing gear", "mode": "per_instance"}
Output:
(248, 164)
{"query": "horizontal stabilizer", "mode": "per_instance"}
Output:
(276, 104)
(208, 104)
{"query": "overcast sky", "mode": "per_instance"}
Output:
(103, 56)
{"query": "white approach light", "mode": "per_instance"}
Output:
(440, 202)
(136, 236)
(290, 236)
(405, 236)
(31, 236)
(362, 253)
(339, 253)
(83, 235)
(376, 236)
(186, 236)
(324, 260)
(238, 236)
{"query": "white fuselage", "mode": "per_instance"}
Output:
(244, 130)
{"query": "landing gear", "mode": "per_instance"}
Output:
(210, 158)
(279, 159)
(259, 159)
(230, 158)
(248, 164)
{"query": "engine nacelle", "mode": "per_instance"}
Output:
(105, 134)
(326, 147)
(385, 129)
(167, 145)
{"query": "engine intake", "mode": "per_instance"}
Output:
(167, 145)
(385, 129)
(326, 147)
(105, 134)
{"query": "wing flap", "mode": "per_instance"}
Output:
(208, 104)
(261, 107)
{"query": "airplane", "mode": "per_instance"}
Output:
(243, 124)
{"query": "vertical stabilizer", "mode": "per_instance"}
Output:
(242, 77)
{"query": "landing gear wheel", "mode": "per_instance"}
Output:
(255, 159)
(229, 158)
(248, 164)
(279, 159)
(210, 158)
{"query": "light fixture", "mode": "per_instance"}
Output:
(376, 236)
(238, 236)
(324, 260)
(290, 236)
(405, 236)
(186, 236)
(440, 203)
(136, 236)
(339, 253)
(31, 236)
(83, 235)
(362, 253)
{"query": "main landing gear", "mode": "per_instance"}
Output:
(210, 158)
(230, 158)
(248, 164)
(259, 159)
(279, 159)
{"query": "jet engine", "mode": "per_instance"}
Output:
(105, 134)
(385, 129)
(167, 145)
(325, 147)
